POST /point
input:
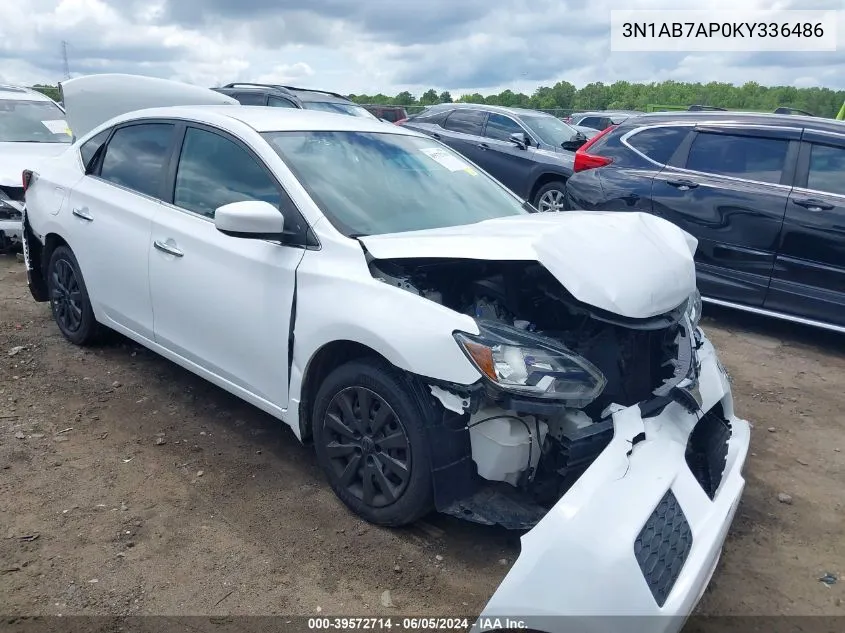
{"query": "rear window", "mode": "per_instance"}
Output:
(32, 122)
(750, 157)
(658, 143)
(466, 121)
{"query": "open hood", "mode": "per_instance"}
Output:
(631, 264)
(94, 99)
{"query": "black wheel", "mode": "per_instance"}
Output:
(370, 442)
(69, 298)
(551, 197)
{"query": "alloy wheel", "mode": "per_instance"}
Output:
(552, 200)
(367, 446)
(66, 296)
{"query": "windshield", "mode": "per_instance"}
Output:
(372, 183)
(549, 129)
(32, 122)
(339, 108)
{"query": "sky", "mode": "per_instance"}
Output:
(371, 46)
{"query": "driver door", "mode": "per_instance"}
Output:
(222, 303)
(502, 158)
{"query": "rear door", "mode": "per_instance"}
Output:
(502, 158)
(463, 131)
(728, 186)
(809, 274)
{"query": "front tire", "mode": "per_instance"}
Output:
(69, 300)
(551, 197)
(371, 443)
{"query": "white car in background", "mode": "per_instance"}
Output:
(442, 346)
(32, 126)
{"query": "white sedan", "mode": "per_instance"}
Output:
(443, 346)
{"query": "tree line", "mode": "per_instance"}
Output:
(622, 95)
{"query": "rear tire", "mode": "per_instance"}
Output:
(69, 300)
(371, 443)
(551, 197)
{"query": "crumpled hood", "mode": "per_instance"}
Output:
(631, 264)
(15, 157)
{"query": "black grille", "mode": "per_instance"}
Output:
(707, 450)
(662, 547)
(14, 193)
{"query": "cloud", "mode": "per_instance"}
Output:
(356, 46)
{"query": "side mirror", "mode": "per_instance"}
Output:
(574, 143)
(520, 139)
(251, 219)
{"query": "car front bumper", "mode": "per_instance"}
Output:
(578, 568)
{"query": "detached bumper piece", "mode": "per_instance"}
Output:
(663, 546)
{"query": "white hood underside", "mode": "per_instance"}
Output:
(631, 264)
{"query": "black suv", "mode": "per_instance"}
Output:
(529, 152)
(601, 119)
(289, 97)
(764, 194)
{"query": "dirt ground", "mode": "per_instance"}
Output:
(129, 486)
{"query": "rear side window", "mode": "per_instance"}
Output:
(389, 115)
(251, 98)
(750, 157)
(278, 102)
(597, 123)
(136, 156)
(466, 121)
(90, 148)
(827, 169)
(214, 171)
(658, 143)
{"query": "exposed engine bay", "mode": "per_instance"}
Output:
(556, 369)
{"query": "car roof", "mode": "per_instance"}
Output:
(606, 112)
(491, 108)
(303, 94)
(22, 93)
(268, 119)
(750, 118)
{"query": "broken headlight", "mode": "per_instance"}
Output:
(521, 362)
(694, 309)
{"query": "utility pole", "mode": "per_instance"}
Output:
(65, 64)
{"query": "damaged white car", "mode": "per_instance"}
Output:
(443, 346)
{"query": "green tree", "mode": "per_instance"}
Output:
(444, 97)
(429, 97)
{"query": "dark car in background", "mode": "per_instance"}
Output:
(528, 151)
(764, 194)
(600, 120)
(289, 97)
(391, 114)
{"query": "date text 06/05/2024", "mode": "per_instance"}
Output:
(403, 623)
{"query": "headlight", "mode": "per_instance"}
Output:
(694, 308)
(520, 362)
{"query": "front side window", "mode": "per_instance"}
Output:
(251, 98)
(32, 122)
(466, 121)
(658, 143)
(136, 157)
(550, 129)
(214, 170)
(751, 157)
(373, 183)
(90, 147)
(278, 102)
(340, 108)
(501, 127)
(827, 169)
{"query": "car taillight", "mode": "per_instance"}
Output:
(26, 178)
(585, 160)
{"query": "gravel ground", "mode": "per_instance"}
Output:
(129, 486)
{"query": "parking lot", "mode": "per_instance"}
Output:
(129, 486)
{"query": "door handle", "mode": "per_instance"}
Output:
(812, 204)
(682, 184)
(83, 214)
(164, 247)
(483, 146)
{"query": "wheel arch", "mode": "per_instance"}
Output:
(542, 180)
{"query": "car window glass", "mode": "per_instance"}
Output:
(827, 169)
(89, 148)
(658, 143)
(278, 102)
(390, 115)
(40, 121)
(250, 98)
(136, 156)
(750, 157)
(465, 121)
(501, 127)
(593, 122)
(214, 171)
